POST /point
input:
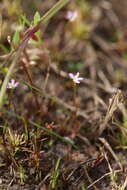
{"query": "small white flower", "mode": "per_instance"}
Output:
(32, 63)
(71, 15)
(13, 84)
(75, 78)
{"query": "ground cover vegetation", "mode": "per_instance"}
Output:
(63, 86)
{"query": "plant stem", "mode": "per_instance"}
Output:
(74, 93)
(54, 10)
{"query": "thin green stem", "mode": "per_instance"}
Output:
(54, 10)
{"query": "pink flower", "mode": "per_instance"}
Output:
(71, 15)
(13, 84)
(75, 78)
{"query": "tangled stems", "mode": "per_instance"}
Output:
(24, 43)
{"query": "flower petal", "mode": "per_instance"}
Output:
(71, 75)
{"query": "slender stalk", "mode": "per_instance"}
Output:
(54, 10)
(74, 93)
(31, 82)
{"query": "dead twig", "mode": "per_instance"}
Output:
(90, 180)
(125, 184)
(106, 144)
(114, 104)
(107, 174)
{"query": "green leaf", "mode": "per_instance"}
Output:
(37, 18)
(16, 38)
(24, 21)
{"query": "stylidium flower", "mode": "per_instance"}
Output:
(71, 15)
(75, 78)
(13, 84)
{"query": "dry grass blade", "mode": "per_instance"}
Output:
(106, 144)
(107, 174)
(90, 180)
(114, 104)
(125, 184)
